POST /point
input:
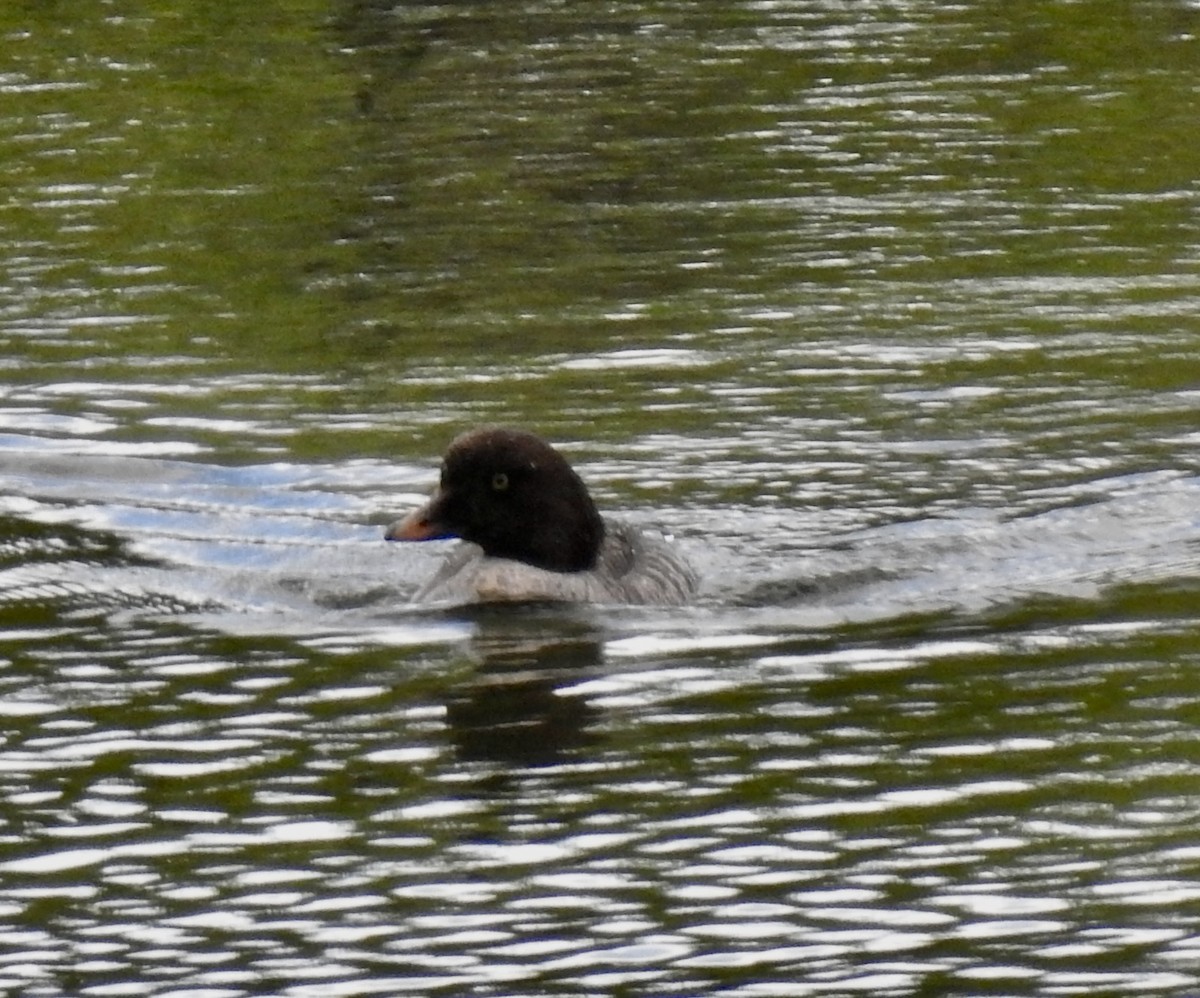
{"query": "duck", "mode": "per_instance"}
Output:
(534, 533)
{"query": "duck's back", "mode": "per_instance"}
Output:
(641, 568)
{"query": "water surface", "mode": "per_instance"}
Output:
(887, 315)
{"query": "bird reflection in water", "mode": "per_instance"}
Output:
(519, 707)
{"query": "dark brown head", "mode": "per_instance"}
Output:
(515, 496)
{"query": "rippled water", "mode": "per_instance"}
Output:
(886, 313)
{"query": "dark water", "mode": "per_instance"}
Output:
(886, 312)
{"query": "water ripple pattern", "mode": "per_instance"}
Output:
(885, 313)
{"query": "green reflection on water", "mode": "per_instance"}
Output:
(405, 199)
(254, 190)
(174, 178)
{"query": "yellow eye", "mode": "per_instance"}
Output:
(499, 481)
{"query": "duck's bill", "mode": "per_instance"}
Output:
(418, 526)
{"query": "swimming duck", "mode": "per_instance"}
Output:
(536, 533)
